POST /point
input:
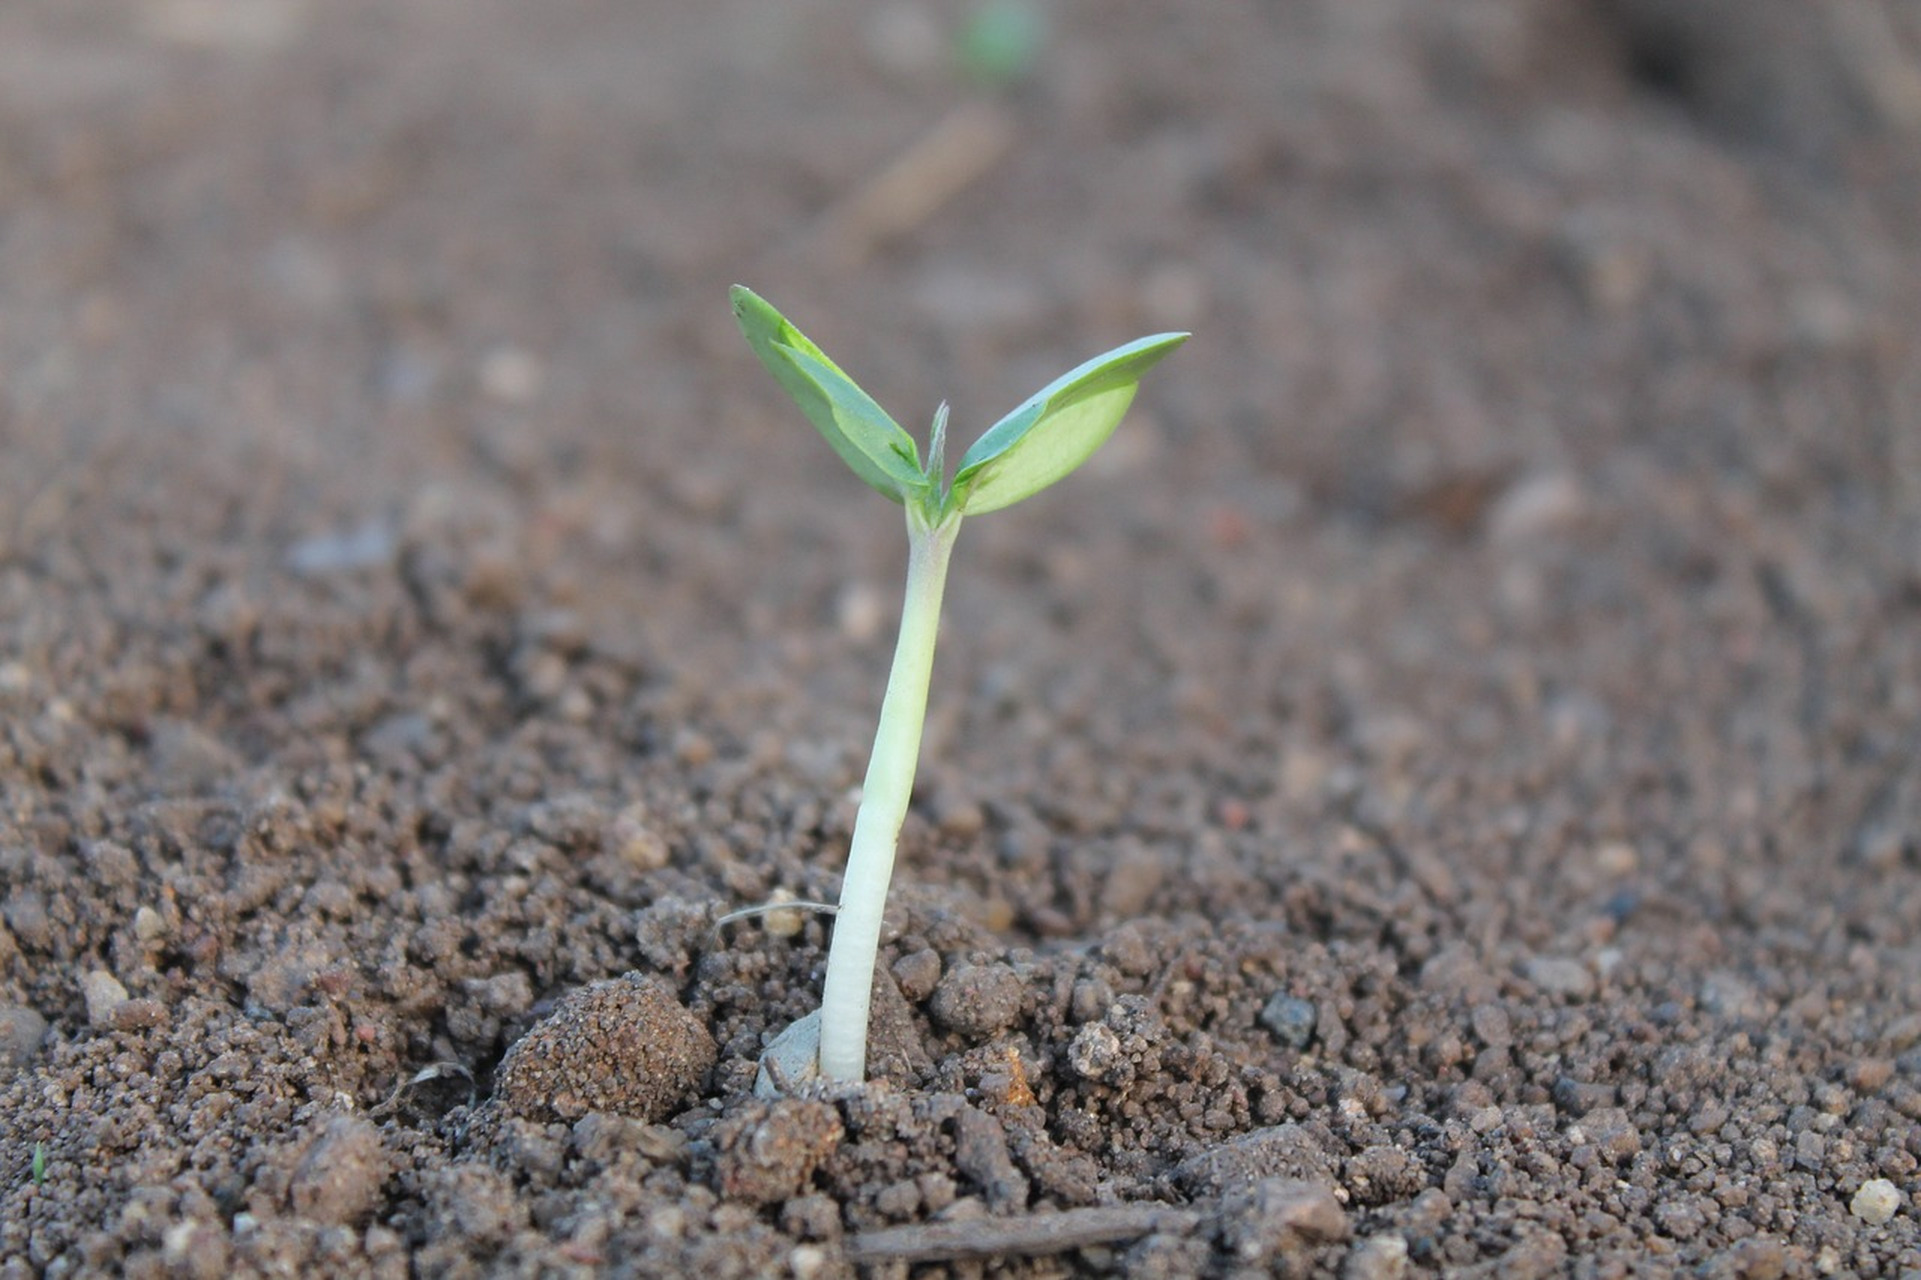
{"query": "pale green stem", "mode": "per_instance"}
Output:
(883, 805)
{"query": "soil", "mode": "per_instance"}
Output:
(1440, 794)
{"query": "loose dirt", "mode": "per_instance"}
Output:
(1440, 794)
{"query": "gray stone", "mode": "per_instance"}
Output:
(1560, 976)
(1281, 1215)
(104, 996)
(1291, 1019)
(1283, 1150)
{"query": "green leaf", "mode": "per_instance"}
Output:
(1055, 429)
(872, 444)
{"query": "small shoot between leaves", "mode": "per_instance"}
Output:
(1048, 436)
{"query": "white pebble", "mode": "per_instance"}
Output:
(149, 925)
(1561, 976)
(1617, 858)
(807, 1261)
(512, 375)
(103, 994)
(1876, 1202)
(782, 924)
(1382, 1257)
(1536, 506)
(861, 612)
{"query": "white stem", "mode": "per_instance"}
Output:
(883, 806)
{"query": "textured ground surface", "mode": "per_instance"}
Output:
(1439, 793)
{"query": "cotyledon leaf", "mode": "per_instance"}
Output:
(1056, 429)
(873, 445)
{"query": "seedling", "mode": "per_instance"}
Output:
(1001, 41)
(1051, 433)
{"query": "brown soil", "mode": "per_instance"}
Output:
(1441, 794)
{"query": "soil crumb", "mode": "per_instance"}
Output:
(624, 1046)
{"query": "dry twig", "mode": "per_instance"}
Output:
(909, 189)
(1029, 1236)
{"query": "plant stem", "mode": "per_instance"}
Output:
(883, 805)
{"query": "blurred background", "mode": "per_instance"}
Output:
(1428, 247)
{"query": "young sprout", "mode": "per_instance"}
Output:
(1050, 434)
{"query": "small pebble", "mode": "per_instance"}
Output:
(512, 375)
(1095, 1054)
(1617, 858)
(807, 1261)
(782, 923)
(103, 994)
(371, 545)
(1382, 1257)
(1560, 976)
(1536, 506)
(1612, 1131)
(1492, 1025)
(861, 613)
(195, 1249)
(1876, 1202)
(632, 837)
(1291, 1019)
(1729, 995)
(148, 925)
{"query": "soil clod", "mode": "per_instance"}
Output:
(625, 1045)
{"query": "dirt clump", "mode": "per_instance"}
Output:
(339, 1175)
(625, 1046)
